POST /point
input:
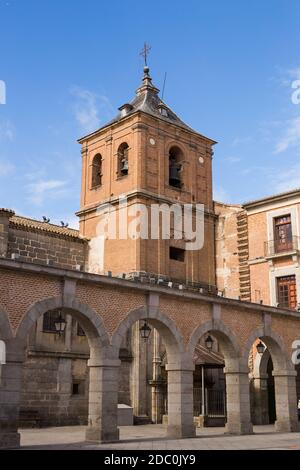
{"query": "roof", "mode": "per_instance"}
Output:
(203, 356)
(265, 200)
(8, 212)
(148, 101)
(52, 229)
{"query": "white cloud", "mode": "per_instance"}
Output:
(87, 107)
(42, 189)
(7, 130)
(286, 180)
(6, 168)
(290, 137)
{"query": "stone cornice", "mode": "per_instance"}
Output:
(141, 193)
(7, 264)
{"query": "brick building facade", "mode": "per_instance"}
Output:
(106, 289)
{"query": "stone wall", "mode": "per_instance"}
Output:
(48, 397)
(227, 249)
(56, 377)
(44, 248)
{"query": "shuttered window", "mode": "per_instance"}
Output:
(287, 291)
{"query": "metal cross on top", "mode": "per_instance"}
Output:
(144, 53)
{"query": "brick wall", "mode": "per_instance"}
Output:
(149, 145)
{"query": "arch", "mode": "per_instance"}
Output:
(260, 364)
(228, 342)
(96, 171)
(176, 157)
(276, 347)
(5, 328)
(165, 326)
(123, 159)
(91, 322)
(174, 144)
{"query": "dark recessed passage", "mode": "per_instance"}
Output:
(177, 253)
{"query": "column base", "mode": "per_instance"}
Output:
(239, 428)
(99, 435)
(9, 440)
(287, 425)
(181, 432)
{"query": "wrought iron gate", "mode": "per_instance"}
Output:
(214, 405)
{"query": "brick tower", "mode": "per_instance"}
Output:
(150, 156)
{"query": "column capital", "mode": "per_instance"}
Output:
(105, 363)
(284, 373)
(260, 376)
(139, 127)
(182, 367)
(241, 370)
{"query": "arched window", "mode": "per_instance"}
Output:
(123, 159)
(175, 167)
(97, 171)
(2, 353)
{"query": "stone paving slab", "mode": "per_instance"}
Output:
(152, 437)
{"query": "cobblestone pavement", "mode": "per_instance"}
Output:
(151, 437)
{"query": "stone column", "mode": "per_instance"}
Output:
(5, 215)
(180, 401)
(238, 400)
(10, 394)
(156, 380)
(286, 401)
(139, 395)
(260, 399)
(103, 401)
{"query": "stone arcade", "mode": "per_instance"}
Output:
(108, 289)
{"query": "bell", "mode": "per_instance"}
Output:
(124, 167)
(174, 172)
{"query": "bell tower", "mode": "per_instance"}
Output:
(147, 156)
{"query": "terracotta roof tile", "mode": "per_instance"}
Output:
(36, 225)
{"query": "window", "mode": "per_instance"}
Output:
(283, 233)
(80, 330)
(175, 167)
(97, 171)
(123, 160)
(49, 320)
(287, 291)
(163, 111)
(78, 387)
(177, 253)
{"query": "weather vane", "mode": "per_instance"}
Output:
(144, 53)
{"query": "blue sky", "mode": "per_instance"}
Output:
(69, 64)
